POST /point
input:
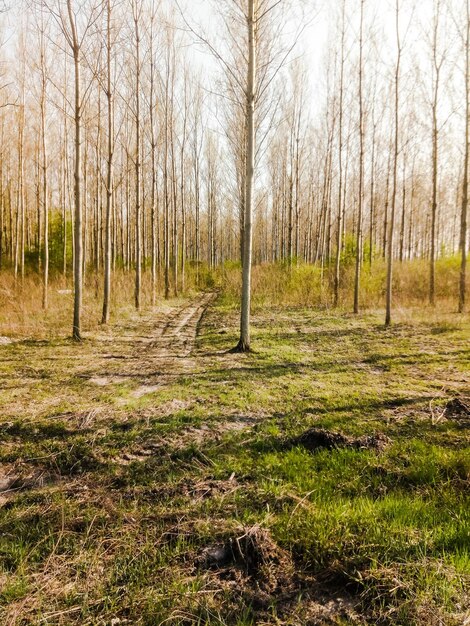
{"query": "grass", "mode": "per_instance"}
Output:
(310, 285)
(117, 495)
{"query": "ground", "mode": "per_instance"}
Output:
(149, 476)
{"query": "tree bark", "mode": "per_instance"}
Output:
(244, 344)
(388, 312)
(109, 172)
(464, 212)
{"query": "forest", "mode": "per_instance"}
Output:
(234, 312)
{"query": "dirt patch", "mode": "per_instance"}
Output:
(458, 408)
(256, 570)
(145, 390)
(173, 406)
(206, 489)
(321, 608)
(155, 350)
(195, 490)
(104, 381)
(195, 436)
(238, 423)
(254, 560)
(321, 439)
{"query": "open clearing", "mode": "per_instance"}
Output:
(149, 477)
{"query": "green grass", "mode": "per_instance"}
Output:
(109, 527)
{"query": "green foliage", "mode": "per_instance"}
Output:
(56, 242)
(56, 247)
(348, 255)
(311, 285)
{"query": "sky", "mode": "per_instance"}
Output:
(321, 28)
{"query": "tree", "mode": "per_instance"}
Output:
(44, 166)
(339, 232)
(110, 162)
(244, 342)
(75, 23)
(466, 168)
(361, 164)
(388, 313)
(437, 62)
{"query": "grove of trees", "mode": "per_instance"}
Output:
(142, 137)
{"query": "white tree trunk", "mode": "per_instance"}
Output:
(464, 213)
(244, 343)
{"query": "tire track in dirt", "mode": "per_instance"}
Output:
(177, 338)
(168, 356)
(153, 345)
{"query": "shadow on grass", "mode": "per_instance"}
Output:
(40, 432)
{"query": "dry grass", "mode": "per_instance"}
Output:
(310, 286)
(21, 313)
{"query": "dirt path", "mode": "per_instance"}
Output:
(176, 339)
(153, 347)
(148, 352)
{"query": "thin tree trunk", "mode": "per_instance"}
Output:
(109, 173)
(435, 157)
(78, 244)
(464, 212)
(388, 313)
(357, 276)
(138, 229)
(339, 232)
(45, 191)
(244, 343)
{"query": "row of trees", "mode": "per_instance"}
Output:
(166, 144)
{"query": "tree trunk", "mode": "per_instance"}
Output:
(464, 213)
(357, 275)
(78, 258)
(45, 190)
(244, 342)
(388, 313)
(138, 217)
(109, 174)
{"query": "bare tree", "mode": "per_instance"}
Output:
(357, 274)
(136, 17)
(250, 93)
(44, 167)
(76, 23)
(110, 162)
(437, 63)
(339, 232)
(388, 313)
(466, 167)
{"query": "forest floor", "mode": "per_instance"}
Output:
(148, 476)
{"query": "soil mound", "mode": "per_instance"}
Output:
(262, 568)
(458, 408)
(321, 439)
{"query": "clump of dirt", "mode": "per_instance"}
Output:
(257, 572)
(328, 610)
(458, 408)
(377, 441)
(261, 567)
(319, 438)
